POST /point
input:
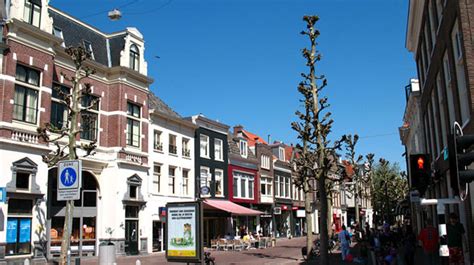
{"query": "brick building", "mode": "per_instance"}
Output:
(439, 34)
(34, 39)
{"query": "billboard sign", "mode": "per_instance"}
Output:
(183, 235)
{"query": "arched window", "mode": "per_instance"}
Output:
(134, 57)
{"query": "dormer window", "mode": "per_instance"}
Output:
(243, 148)
(32, 14)
(134, 57)
(88, 47)
(59, 33)
(281, 153)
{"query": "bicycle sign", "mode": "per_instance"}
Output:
(69, 180)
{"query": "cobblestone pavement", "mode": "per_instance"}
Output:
(286, 251)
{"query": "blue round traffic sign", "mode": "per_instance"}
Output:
(68, 177)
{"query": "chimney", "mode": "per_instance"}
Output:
(238, 129)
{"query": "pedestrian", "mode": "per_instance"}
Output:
(455, 236)
(367, 231)
(409, 241)
(429, 239)
(345, 240)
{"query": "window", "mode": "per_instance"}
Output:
(204, 144)
(157, 144)
(22, 180)
(89, 117)
(59, 33)
(218, 150)
(185, 181)
(133, 192)
(205, 177)
(266, 186)
(431, 133)
(282, 187)
(442, 106)
(26, 97)
(433, 21)
(134, 57)
(173, 149)
(32, 13)
(243, 185)
(133, 124)
(219, 183)
(243, 148)
(281, 153)
(439, 9)
(421, 74)
(156, 177)
(171, 180)
(265, 162)
(88, 48)
(460, 75)
(58, 106)
(449, 89)
(18, 236)
(186, 150)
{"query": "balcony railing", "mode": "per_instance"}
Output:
(186, 152)
(158, 146)
(173, 149)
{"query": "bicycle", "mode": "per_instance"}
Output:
(208, 260)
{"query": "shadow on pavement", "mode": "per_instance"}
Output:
(266, 256)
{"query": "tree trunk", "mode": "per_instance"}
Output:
(323, 222)
(308, 199)
(73, 129)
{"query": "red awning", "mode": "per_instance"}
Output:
(230, 207)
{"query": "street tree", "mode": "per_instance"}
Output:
(315, 154)
(362, 173)
(390, 186)
(63, 139)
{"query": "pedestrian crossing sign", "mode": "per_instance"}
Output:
(69, 180)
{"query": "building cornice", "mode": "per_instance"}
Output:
(415, 16)
(177, 120)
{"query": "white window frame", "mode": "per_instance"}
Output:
(218, 155)
(205, 180)
(88, 48)
(265, 161)
(204, 139)
(186, 151)
(172, 187)
(186, 181)
(172, 143)
(281, 153)
(132, 118)
(248, 179)
(157, 142)
(28, 86)
(31, 15)
(243, 148)
(157, 178)
(221, 181)
(268, 183)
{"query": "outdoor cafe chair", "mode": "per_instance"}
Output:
(230, 245)
(221, 244)
(238, 245)
(214, 244)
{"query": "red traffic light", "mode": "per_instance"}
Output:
(421, 163)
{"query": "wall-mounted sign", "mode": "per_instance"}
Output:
(69, 180)
(277, 210)
(3, 194)
(183, 236)
(300, 214)
(205, 190)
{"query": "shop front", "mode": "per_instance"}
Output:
(299, 217)
(283, 220)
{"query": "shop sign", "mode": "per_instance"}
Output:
(284, 208)
(3, 195)
(277, 210)
(265, 216)
(69, 180)
(183, 236)
(294, 208)
(300, 214)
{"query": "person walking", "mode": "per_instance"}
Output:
(455, 236)
(429, 239)
(345, 240)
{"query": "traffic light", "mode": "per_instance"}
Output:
(420, 172)
(460, 157)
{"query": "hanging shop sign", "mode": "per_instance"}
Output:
(300, 214)
(183, 236)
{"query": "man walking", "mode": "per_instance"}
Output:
(455, 236)
(345, 240)
(429, 239)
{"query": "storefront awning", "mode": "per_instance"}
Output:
(230, 207)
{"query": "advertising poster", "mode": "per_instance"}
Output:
(25, 230)
(183, 233)
(12, 230)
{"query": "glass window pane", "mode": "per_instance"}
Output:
(36, 15)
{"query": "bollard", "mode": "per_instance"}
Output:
(26, 262)
(138, 262)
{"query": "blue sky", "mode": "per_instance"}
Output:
(239, 61)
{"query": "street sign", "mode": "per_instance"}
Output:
(205, 190)
(415, 196)
(69, 180)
